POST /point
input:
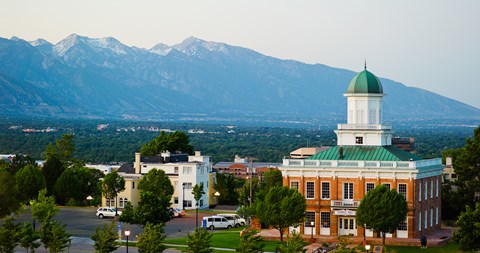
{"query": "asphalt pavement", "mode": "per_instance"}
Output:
(81, 223)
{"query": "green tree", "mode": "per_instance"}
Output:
(282, 207)
(272, 178)
(105, 238)
(176, 141)
(112, 184)
(151, 240)
(66, 186)
(157, 182)
(382, 210)
(152, 208)
(29, 237)
(250, 243)
(20, 161)
(468, 234)
(199, 241)
(55, 237)
(43, 208)
(244, 197)
(51, 170)
(294, 244)
(197, 192)
(466, 162)
(9, 200)
(227, 185)
(31, 181)
(65, 147)
(9, 236)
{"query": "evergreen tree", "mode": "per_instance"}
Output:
(294, 244)
(9, 236)
(250, 243)
(199, 241)
(151, 240)
(9, 200)
(468, 234)
(52, 170)
(31, 181)
(29, 237)
(105, 238)
(54, 237)
(176, 141)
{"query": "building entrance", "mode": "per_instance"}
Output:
(347, 225)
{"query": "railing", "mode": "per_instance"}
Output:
(362, 164)
(365, 126)
(344, 203)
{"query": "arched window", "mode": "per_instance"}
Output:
(110, 202)
(122, 202)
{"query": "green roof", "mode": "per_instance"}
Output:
(365, 82)
(366, 153)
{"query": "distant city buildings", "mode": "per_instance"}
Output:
(243, 167)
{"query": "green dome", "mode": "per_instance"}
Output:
(365, 82)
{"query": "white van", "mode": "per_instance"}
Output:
(212, 222)
(237, 220)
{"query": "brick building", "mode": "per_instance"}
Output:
(335, 180)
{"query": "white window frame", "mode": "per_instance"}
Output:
(403, 193)
(436, 216)
(437, 187)
(351, 190)
(420, 221)
(328, 190)
(420, 192)
(431, 189)
(426, 218)
(388, 185)
(366, 187)
(292, 183)
(307, 190)
(431, 217)
(426, 190)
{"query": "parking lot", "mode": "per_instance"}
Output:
(82, 222)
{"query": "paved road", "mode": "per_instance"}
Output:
(81, 223)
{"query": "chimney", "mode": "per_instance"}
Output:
(198, 153)
(136, 165)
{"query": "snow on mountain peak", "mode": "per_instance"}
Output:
(96, 44)
(191, 45)
(160, 49)
(40, 42)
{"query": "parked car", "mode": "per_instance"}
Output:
(107, 212)
(212, 222)
(177, 212)
(235, 218)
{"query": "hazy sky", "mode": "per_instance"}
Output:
(433, 45)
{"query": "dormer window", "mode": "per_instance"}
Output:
(358, 140)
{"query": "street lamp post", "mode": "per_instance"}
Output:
(367, 247)
(312, 224)
(127, 233)
(196, 215)
(183, 199)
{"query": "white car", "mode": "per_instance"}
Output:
(107, 212)
(236, 220)
(212, 222)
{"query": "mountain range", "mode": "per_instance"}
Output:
(81, 77)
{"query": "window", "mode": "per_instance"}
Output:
(110, 202)
(175, 200)
(420, 191)
(387, 185)
(294, 185)
(310, 190)
(175, 170)
(310, 216)
(431, 217)
(133, 184)
(201, 202)
(402, 189)
(431, 189)
(426, 190)
(122, 202)
(187, 170)
(348, 191)
(351, 224)
(419, 221)
(436, 215)
(437, 187)
(426, 218)
(325, 190)
(358, 140)
(187, 186)
(402, 226)
(370, 186)
(187, 203)
(325, 219)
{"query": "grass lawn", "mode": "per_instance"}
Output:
(450, 248)
(229, 239)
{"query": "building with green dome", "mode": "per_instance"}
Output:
(334, 181)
